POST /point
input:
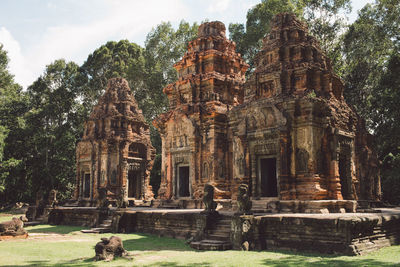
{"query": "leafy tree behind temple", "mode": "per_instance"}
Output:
(13, 105)
(54, 123)
(371, 51)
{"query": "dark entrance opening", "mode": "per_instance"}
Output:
(345, 176)
(268, 177)
(86, 187)
(183, 182)
(134, 184)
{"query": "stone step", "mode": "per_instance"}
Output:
(219, 233)
(225, 231)
(32, 223)
(97, 230)
(105, 225)
(218, 236)
(210, 244)
(108, 221)
(220, 229)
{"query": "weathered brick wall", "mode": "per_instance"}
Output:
(181, 225)
(89, 217)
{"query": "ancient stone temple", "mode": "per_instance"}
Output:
(194, 130)
(115, 152)
(286, 132)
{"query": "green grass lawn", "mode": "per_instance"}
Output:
(50, 245)
(8, 216)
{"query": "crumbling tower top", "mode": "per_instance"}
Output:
(291, 62)
(211, 71)
(215, 28)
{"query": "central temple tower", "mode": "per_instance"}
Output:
(194, 130)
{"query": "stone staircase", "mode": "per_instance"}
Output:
(104, 227)
(217, 237)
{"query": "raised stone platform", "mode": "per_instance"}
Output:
(78, 216)
(350, 233)
(341, 233)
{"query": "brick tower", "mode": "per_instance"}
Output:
(194, 130)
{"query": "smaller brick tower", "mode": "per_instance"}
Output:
(115, 152)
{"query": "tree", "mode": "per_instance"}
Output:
(366, 49)
(371, 51)
(54, 124)
(385, 118)
(13, 105)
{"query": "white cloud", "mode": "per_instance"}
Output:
(126, 20)
(218, 6)
(17, 64)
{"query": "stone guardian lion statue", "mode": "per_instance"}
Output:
(243, 200)
(208, 198)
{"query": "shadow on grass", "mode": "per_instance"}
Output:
(58, 229)
(121, 262)
(77, 262)
(152, 242)
(322, 261)
(174, 264)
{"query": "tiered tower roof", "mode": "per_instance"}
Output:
(291, 62)
(210, 71)
(116, 115)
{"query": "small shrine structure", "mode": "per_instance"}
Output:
(115, 152)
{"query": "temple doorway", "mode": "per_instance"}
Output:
(134, 184)
(86, 185)
(268, 179)
(183, 181)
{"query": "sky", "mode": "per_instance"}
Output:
(37, 32)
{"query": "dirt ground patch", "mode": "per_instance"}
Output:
(52, 237)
